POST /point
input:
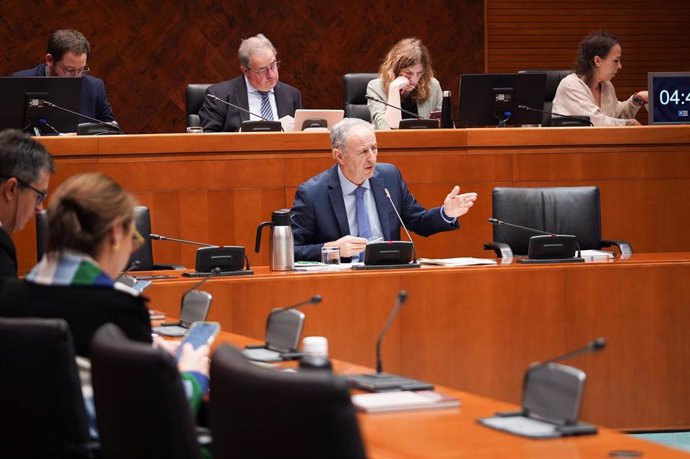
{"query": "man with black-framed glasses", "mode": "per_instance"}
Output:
(66, 56)
(258, 90)
(25, 170)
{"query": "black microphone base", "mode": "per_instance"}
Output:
(537, 261)
(243, 272)
(399, 266)
(384, 382)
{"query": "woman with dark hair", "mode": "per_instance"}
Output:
(589, 90)
(406, 80)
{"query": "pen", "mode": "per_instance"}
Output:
(308, 263)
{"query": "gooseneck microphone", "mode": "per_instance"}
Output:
(316, 299)
(414, 249)
(496, 221)
(126, 279)
(158, 237)
(380, 381)
(218, 99)
(395, 107)
(47, 103)
(400, 300)
(44, 122)
(580, 120)
(214, 272)
(593, 346)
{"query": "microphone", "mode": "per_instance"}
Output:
(214, 272)
(218, 99)
(496, 221)
(123, 278)
(316, 299)
(579, 119)
(397, 108)
(414, 249)
(44, 122)
(402, 297)
(593, 346)
(47, 103)
(380, 381)
(158, 237)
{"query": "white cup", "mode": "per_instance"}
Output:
(315, 346)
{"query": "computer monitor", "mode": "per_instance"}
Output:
(669, 97)
(492, 99)
(305, 119)
(19, 110)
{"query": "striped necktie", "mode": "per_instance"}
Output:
(266, 111)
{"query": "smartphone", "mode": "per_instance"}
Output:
(140, 284)
(200, 333)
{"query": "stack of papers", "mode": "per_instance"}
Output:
(462, 261)
(596, 255)
(382, 402)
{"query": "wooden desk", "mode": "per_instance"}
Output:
(217, 187)
(477, 329)
(454, 433)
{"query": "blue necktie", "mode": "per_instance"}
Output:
(266, 111)
(362, 217)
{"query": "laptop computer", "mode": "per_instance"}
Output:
(195, 307)
(306, 119)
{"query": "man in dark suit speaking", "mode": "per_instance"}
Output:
(257, 90)
(346, 205)
(66, 56)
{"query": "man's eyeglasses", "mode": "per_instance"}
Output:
(72, 71)
(273, 66)
(40, 195)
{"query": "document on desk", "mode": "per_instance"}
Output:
(523, 426)
(461, 261)
(384, 402)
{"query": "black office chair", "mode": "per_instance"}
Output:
(195, 94)
(566, 210)
(257, 412)
(41, 233)
(553, 79)
(41, 402)
(141, 407)
(354, 91)
(144, 255)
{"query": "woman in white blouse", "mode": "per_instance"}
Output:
(589, 90)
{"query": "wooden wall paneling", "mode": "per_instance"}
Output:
(651, 317)
(147, 51)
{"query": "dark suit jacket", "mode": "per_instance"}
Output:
(85, 308)
(218, 117)
(8, 260)
(319, 216)
(94, 101)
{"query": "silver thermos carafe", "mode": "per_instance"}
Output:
(282, 243)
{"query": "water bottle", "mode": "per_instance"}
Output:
(315, 354)
(447, 111)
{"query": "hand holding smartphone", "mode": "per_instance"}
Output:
(199, 333)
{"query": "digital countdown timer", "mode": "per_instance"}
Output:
(669, 97)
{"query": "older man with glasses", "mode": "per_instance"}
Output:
(66, 56)
(257, 90)
(25, 170)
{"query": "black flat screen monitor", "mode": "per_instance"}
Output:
(669, 97)
(17, 111)
(492, 99)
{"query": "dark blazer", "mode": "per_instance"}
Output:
(218, 117)
(8, 260)
(85, 308)
(319, 216)
(94, 101)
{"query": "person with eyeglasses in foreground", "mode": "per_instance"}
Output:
(91, 235)
(66, 56)
(25, 170)
(257, 90)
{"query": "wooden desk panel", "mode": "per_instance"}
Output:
(479, 328)
(218, 187)
(454, 433)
